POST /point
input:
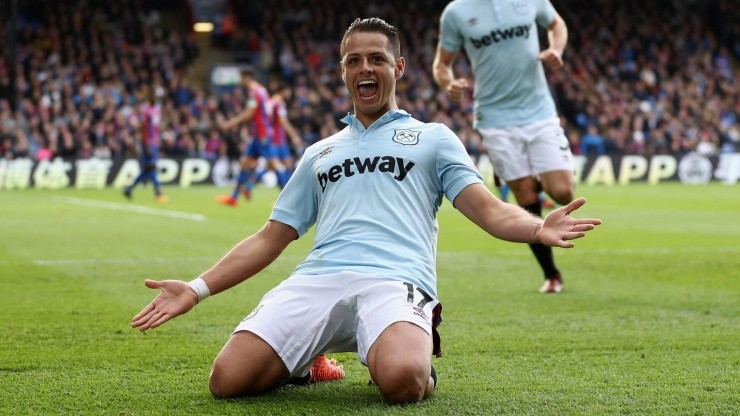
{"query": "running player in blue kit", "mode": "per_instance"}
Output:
(514, 110)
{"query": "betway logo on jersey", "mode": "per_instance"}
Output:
(499, 35)
(396, 166)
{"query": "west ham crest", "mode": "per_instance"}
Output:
(408, 137)
(520, 7)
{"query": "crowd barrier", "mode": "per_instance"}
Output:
(614, 170)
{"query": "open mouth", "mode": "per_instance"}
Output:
(367, 89)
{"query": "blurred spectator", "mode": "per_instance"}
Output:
(654, 77)
(592, 143)
(707, 145)
(213, 147)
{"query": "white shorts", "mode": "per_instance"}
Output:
(308, 315)
(529, 150)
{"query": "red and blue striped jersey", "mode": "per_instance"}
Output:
(151, 120)
(261, 124)
(278, 110)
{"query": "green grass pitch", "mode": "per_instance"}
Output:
(649, 323)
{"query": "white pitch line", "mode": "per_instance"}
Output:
(134, 208)
(133, 260)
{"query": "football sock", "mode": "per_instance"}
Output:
(298, 381)
(240, 180)
(155, 181)
(258, 174)
(504, 192)
(288, 175)
(282, 177)
(541, 252)
(138, 180)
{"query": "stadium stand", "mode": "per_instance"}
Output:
(652, 77)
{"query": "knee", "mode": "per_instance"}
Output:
(560, 186)
(221, 383)
(226, 382)
(406, 383)
(525, 197)
(562, 195)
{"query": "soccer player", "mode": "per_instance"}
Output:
(150, 117)
(369, 283)
(256, 112)
(503, 190)
(282, 130)
(514, 110)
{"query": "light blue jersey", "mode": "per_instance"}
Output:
(374, 195)
(500, 39)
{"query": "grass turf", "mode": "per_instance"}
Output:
(648, 322)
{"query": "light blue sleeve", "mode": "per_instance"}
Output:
(455, 169)
(297, 205)
(449, 36)
(545, 13)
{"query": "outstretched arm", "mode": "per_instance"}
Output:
(292, 133)
(243, 261)
(244, 115)
(512, 223)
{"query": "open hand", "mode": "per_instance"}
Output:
(559, 227)
(176, 298)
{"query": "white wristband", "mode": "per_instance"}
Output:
(200, 288)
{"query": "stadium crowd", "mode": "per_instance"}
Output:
(640, 77)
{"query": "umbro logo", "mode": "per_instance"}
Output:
(420, 313)
(325, 151)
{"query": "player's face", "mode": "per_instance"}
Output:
(246, 79)
(370, 72)
(287, 94)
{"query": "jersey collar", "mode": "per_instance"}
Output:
(386, 118)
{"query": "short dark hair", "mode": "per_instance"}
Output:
(280, 86)
(247, 71)
(373, 24)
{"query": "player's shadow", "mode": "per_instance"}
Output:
(338, 397)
